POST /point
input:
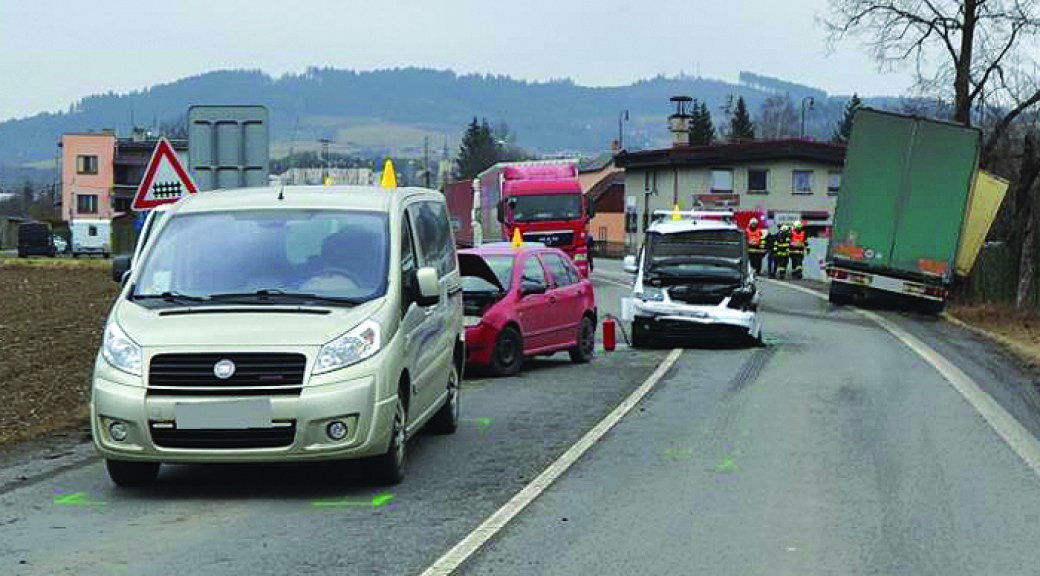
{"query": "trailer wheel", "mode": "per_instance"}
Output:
(839, 294)
(932, 307)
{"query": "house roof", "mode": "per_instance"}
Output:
(605, 184)
(596, 163)
(734, 153)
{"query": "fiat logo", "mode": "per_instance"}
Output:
(224, 369)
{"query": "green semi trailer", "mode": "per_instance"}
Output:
(912, 211)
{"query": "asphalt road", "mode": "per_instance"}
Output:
(835, 449)
(59, 515)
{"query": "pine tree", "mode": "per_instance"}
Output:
(702, 129)
(844, 128)
(740, 126)
(478, 152)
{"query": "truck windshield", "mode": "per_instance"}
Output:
(708, 253)
(547, 207)
(274, 254)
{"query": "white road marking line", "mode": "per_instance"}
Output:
(452, 559)
(1004, 424)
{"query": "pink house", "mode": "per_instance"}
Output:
(87, 175)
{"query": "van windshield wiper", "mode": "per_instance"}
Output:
(267, 296)
(169, 296)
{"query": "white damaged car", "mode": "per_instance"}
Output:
(694, 282)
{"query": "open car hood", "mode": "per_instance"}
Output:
(474, 265)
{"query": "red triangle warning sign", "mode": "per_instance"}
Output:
(165, 180)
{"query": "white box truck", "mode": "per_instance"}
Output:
(91, 237)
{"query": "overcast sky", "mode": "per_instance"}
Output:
(53, 52)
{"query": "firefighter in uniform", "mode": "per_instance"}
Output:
(770, 243)
(782, 250)
(756, 247)
(798, 250)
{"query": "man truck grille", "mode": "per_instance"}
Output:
(550, 238)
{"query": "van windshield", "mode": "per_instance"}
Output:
(276, 254)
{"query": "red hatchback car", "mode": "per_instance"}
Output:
(523, 302)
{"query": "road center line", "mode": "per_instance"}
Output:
(1004, 424)
(452, 559)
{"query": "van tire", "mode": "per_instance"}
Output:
(130, 474)
(508, 355)
(446, 420)
(583, 351)
(388, 468)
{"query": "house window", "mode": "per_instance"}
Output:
(86, 203)
(833, 182)
(121, 204)
(802, 181)
(721, 180)
(757, 181)
(602, 233)
(86, 164)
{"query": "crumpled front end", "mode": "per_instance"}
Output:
(698, 316)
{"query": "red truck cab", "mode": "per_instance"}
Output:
(545, 202)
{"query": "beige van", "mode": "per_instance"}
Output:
(283, 324)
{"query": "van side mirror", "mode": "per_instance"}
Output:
(120, 266)
(500, 211)
(591, 206)
(429, 287)
(630, 265)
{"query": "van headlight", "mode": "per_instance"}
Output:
(651, 294)
(350, 348)
(120, 351)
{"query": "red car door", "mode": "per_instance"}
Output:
(566, 298)
(534, 311)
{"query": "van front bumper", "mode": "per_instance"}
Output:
(298, 430)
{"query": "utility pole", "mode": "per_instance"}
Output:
(325, 159)
(804, 100)
(426, 159)
(620, 129)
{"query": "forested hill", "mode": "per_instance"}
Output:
(393, 110)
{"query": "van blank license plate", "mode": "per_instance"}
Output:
(229, 415)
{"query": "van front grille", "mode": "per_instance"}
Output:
(252, 370)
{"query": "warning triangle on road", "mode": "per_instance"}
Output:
(165, 180)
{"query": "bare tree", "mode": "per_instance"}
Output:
(968, 49)
(777, 118)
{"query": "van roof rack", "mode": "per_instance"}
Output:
(721, 215)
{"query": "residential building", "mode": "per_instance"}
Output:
(786, 179)
(100, 172)
(604, 182)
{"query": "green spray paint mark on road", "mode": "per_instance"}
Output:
(380, 499)
(678, 453)
(80, 498)
(728, 464)
(483, 422)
